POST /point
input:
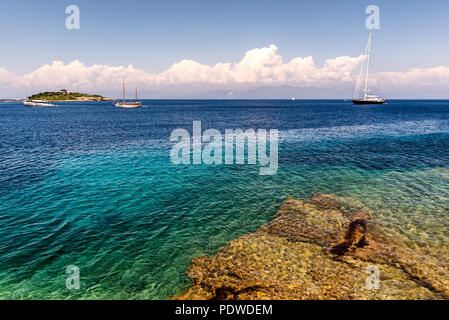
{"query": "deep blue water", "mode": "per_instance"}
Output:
(91, 185)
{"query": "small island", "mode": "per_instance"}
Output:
(65, 95)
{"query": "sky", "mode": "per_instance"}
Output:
(196, 45)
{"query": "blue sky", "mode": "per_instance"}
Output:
(152, 35)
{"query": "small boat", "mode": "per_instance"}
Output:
(38, 103)
(129, 105)
(363, 81)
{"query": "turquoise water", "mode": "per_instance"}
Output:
(90, 185)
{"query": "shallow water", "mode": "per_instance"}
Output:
(90, 185)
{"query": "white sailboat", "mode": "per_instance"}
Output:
(362, 92)
(124, 104)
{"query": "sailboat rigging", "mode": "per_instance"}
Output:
(125, 104)
(363, 81)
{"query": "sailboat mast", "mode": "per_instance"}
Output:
(123, 84)
(136, 94)
(368, 57)
(364, 78)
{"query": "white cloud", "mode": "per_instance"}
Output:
(260, 66)
(417, 76)
(7, 78)
(77, 75)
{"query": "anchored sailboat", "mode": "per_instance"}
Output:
(364, 79)
(125, 104)
(38, 103)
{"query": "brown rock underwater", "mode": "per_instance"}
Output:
(320, 248)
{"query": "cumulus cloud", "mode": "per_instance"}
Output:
(417, 76)
(7, 78)
(260, 66)
(77, 75)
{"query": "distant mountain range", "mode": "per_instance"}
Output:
(279, 92)
(263, 92)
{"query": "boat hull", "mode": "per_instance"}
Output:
(361, 101)
(128, 106)
(38, 104)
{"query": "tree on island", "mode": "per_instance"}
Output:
(64, 94)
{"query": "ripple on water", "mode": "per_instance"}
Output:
(88, 185)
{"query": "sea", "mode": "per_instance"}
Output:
(89, 186)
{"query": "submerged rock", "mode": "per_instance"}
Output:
(320, 248)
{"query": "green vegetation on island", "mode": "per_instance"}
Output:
(64, 95)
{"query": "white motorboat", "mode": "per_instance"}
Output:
(38, 103)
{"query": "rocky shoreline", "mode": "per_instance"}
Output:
(320, 248)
